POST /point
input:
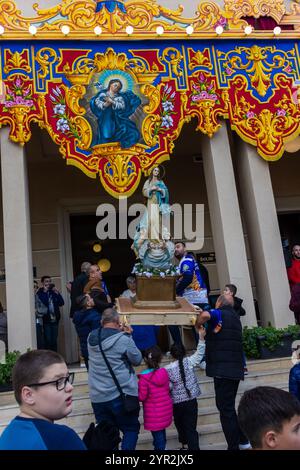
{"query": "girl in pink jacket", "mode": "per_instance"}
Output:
(154, 392)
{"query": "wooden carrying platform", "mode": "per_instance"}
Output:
(185, 314)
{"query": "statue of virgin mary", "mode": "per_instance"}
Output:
(154, 224)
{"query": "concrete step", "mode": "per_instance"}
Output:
(207, 400)
(81, 405)
(267, 372)
(206, 383)
(253, 366)
(209, 435)
(269, 364)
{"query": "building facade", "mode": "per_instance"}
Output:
(227, 138)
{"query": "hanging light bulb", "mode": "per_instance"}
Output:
(189, 30)
(248, 29)
(32, 29)
(97, 247)
(219, 30)
(129, 30)
(97, 30)
(160, 30)
(104, 264)
(65, 29)
(277, 30)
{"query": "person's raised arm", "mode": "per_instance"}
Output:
(197, 357)
(203, 317)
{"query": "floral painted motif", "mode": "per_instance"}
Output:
(167, 110)
(60, 112)
(204, 90)
(250, 115)
(140, 270)
(282, 112)
(221, 22)
(18, 94)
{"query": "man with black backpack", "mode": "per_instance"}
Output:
(112, 380)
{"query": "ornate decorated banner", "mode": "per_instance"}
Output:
(115, 112)
(115, 107)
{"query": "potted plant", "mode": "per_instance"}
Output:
(269, 342)
(6, 371)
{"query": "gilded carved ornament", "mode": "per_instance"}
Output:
(144, 16)
(268, 128)
(256, 8)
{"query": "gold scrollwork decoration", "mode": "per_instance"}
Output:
(257, 66)
(119, 169)
(148, 130)
(267, 128)
(16, 61)
(256, 8)
(153, 95)
(110, 60)
(143, 15)
(73, 95)
(44, 58)
(19, 118)
(199, 59)
(173, 57)
(84, 131)
(80, 72)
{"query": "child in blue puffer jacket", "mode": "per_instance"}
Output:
(294, 380)
(85, 319)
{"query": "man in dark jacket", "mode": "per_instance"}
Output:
(231, 290)
(52, 300)
(224, 362)
(77, 286)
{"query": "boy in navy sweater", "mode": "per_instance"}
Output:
(43, 389)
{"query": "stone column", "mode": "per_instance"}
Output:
(273, 293)
(17, 246)
(229, 242)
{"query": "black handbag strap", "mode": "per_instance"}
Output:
(109, 366)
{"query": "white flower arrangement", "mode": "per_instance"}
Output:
(140, 270)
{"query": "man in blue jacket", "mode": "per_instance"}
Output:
(52, 299)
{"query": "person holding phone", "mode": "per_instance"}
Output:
(49, 295)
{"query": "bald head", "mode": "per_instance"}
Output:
(225, 301)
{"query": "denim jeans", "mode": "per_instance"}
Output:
(159, 439)
(40, 342)
(113, 412)
(50, 335)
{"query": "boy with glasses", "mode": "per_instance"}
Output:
(43, 389)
